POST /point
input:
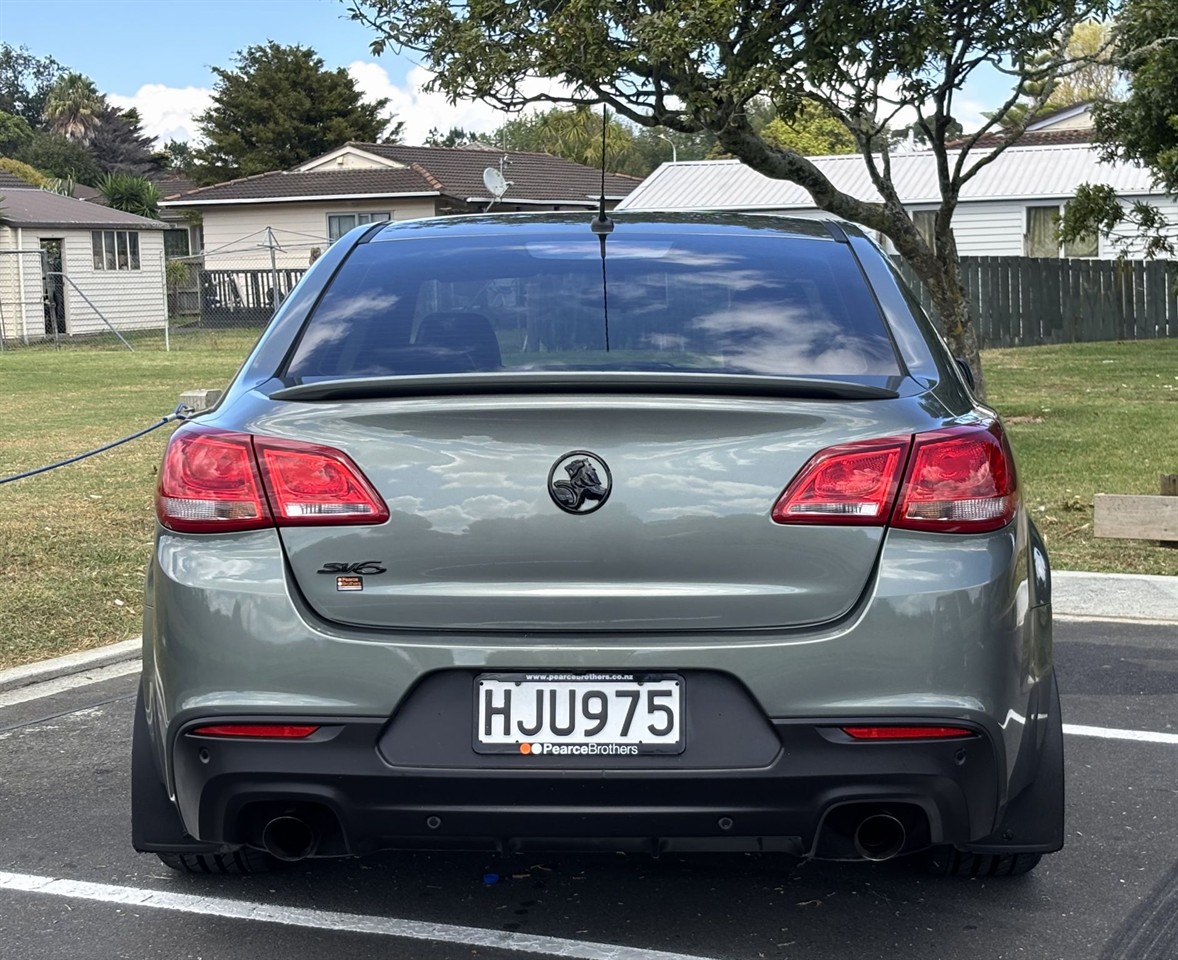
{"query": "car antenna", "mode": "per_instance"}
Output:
(603, 226)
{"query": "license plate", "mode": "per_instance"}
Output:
(571, 715)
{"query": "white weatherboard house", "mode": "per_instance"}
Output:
(65, 265)
(1007, 210)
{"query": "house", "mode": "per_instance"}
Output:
(69, 268)
(1008, 209)
(296, 213)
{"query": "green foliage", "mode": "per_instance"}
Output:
(130, 194)
(73, 107)
(119, 144)
(812, 131)
(30, 175)
(178, 156)
(455, 137)
(277, 108)
(1142, 128)
(60, 157)
(15, 132)
(24, 82)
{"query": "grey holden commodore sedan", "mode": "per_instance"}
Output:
(663, 533)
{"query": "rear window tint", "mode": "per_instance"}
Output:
(522, 301)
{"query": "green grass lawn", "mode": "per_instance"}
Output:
(73, 543)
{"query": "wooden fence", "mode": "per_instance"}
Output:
(1024, 301)
(243, 297)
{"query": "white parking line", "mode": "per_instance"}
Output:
(1108, 733)
(47, 688)
(330, 920)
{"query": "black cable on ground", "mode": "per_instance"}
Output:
(182, 412)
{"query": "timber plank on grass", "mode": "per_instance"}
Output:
(1128, 517)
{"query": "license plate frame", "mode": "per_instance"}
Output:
(605, 745)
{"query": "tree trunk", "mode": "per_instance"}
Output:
(942, 276)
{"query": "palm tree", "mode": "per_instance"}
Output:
(73, 106)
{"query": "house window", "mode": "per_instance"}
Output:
(925, 222)
(340, 223)
(115, 249)
(1041, 239)
(176, 243)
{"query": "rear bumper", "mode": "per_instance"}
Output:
(806, 801)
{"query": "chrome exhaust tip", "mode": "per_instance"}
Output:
(879, 837)
(289, 838)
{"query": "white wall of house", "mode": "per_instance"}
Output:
(234, 234)
(128, 299)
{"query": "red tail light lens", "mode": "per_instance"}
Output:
(211, 483)
(268, 731)
(310, 484)
(854, 483)
(908, 733)
(960, 480)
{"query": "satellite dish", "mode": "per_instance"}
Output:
(494, 182)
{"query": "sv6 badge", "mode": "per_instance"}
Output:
(365, 568)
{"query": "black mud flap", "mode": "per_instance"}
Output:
(1034, 819)
(156, 826)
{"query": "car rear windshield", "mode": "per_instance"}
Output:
(741, 303)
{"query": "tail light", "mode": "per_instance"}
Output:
(957, 480)
(854, 483)
(960, 480)
(211, 482)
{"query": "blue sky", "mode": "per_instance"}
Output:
(156, 55)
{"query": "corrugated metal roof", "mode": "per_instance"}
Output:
(40, 208)
(1020, 173)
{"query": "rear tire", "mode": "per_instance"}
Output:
(949, 862)
(241, 861)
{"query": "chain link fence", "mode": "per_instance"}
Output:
(226, 295)
(56, 296)
(74, 293)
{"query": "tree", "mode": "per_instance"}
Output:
(119, 144)
(694, 67)
(574, 134)
(60, 157)
(456, 137)
(25, 81)
(73, 107)
(279, 107)
(1096, 76)
(30, 175)
(15, 132)
(1142, 128)
(178, 156)
(131, 194)
(811, 131)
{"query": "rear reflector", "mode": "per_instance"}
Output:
(908, 733)
(853, 483)
(212, 482)
(267, 731)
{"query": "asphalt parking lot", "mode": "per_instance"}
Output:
(72, 887)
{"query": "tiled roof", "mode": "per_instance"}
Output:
(453, 172)
(282, 185)
(172, 185)
(10, 181)
(1036, 138)
(1018, 173)
(40, 208)
(533, 176)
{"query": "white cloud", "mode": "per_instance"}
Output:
(167, 112)
(421, 111)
